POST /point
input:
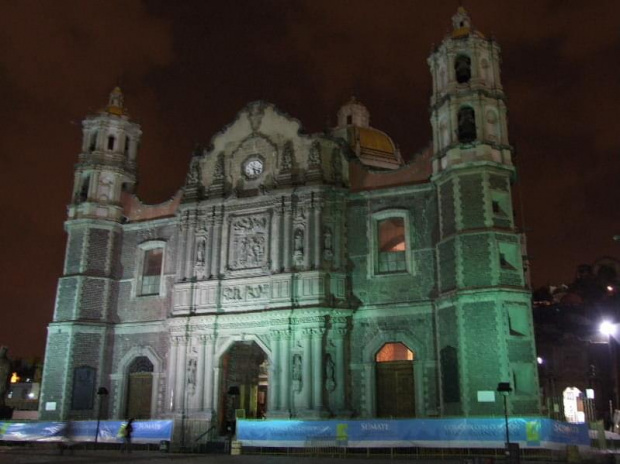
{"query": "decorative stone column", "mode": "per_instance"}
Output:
(209, 246)
(317, 370)
(285, 372)
(318, 242)
(172, 374)
(273, 402)
(224, 245)
(190, 245)
(276, 218)
(215, 244)
(286, 235)
(209, 370)
(181, 370)
(338, 334)
(198, 403)
(181, 256)
(306, 390)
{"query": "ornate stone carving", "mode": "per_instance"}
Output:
(194, 174)
(232, 293)
(191, 374)
(249, 236)
(298, 242)
(314, 155)
(200, 251)
(257, 291)
(255, 115)
(288, 153)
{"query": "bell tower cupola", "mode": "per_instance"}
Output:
(107, 162)
(468, 109)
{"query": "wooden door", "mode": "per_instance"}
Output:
(395, 389)
(139, 395)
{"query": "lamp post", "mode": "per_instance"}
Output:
(609, 329)
(504, 388)
(102, 392)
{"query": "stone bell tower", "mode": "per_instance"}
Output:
(76, 361)
(484, 322)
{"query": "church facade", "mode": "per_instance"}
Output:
(301, 276)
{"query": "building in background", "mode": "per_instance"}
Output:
(298, 275)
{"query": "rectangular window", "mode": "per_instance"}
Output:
(151, 271)
(392, 246)
(518, 323)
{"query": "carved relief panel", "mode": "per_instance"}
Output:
(249, 239)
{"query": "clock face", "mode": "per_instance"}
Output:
(253, 168)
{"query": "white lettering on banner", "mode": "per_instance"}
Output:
(379, 426)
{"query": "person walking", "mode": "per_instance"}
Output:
(126, 433)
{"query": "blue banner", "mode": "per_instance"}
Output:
(84, 431)
(455, 433)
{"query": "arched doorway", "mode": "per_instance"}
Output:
(395, 381)
(243, 383)
(139, 388)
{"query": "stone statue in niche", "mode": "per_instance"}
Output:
(191, 374)
(297, 377)
(200, 252)
(330, 369)
(328, 245)
(298, 243)
(288, 153)
(314, 156)
(193, 176)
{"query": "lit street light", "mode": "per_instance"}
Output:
(609, 329)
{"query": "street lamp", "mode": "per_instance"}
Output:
(504, 388)
(609, 329)
(102, 392)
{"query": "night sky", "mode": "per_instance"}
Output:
(187, 67)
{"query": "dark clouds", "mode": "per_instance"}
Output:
(188, 67)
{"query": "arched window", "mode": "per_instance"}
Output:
(151, 271)
(392, 245)
(467, 124)
(83, 195)
(111, 142)
(93, 142)
(462, 68)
